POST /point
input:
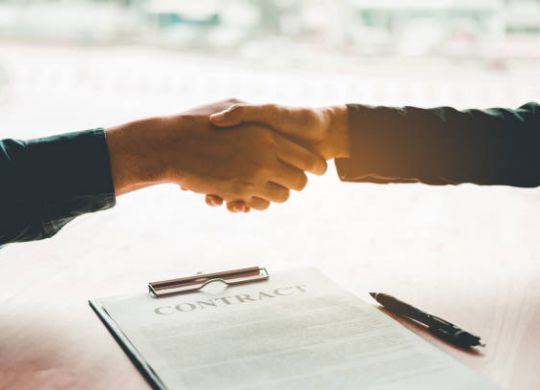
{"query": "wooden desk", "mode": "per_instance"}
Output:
(466, 253)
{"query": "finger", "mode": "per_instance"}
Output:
(213, 200)
(237, 206)
(273, 192)
(299, 157)
(288, 177)
(269, 114)
(258, 203)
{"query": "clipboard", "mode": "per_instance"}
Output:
(297, 330)
(198, 281)
(171, 287)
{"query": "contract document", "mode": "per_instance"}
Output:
(297, 330)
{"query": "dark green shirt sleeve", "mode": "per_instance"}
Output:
(443, 145)
(47, 182)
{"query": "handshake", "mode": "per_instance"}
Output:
(243, 154)
(250, 155)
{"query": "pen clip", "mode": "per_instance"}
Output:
(456, 336)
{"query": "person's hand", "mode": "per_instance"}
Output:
(249, 163)
(323, 130)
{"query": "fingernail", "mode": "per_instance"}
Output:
(217, 117)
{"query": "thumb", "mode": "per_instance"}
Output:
(265, 114)
(227, 118)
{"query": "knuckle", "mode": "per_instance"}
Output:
(305, 112)
(306, 115)
(269, 109)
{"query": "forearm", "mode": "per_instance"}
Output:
(47, 182)
(443, 145)
(134, 162)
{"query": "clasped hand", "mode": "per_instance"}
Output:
(320, 130)
(245, 155)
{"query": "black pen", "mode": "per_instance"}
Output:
(437, 326)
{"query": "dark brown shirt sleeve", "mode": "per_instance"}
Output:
(443, 145)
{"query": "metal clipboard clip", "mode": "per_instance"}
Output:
(196, 282)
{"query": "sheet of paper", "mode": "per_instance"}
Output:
(298, 330)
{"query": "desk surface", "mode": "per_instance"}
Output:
(466, 253)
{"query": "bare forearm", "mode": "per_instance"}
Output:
(134, 161)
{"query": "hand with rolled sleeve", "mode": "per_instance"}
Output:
(378, 144)
(47, 182)
(322, 130)
(250, 162)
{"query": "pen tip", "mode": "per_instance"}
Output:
(374, 295)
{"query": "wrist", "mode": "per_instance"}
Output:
(338, 131)
(133, 164)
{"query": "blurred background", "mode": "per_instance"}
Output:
(248, 29)
(97, 61)
(78, 64)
